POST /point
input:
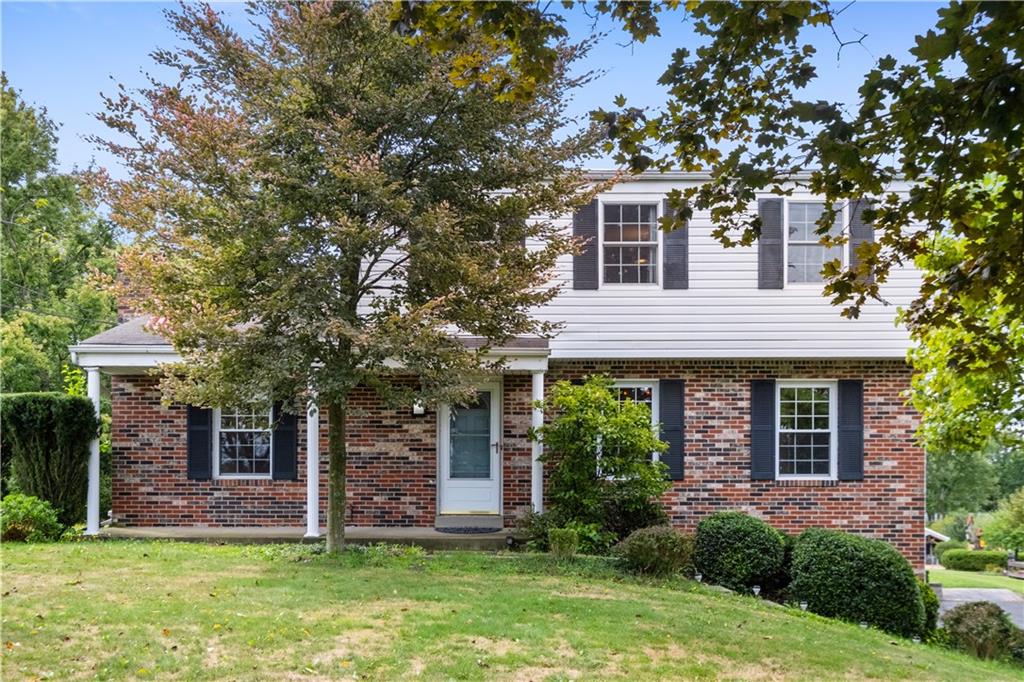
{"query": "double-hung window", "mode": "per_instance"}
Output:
(630, 244)
(806, 430)
(805, 254)
(642, 393)
(243, 438)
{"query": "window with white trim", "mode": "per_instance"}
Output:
(805, 254)
(630, 243)
(643, 393)
(243, 438)
(806, 430)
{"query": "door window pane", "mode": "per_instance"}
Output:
(470, 434)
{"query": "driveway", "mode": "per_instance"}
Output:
(1007, 600)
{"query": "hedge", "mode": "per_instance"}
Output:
(946, 545)
(973, 560)
(738, 551)
(857, 579)
(46, 438)
(658, 550)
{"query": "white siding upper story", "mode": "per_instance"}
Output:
(723, 313)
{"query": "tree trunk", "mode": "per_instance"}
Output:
(337, 458)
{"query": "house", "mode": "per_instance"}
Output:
(771, 402)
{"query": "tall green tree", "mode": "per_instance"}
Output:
(53, 242)
(736, 108)
(318, 207)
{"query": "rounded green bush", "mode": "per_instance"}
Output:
(980, 628)
(737, 551)
(942, 547)
(658, 550)
(973, 560)
(930, 601)
(27, 518)
(857, 579)
(564, 542)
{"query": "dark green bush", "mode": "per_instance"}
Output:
(738, 551)
(974, 560)
(930, 601)
(658, 550)
(46, 436)
(26, 518)
(942, 547)
(535, 528)
(623, 511)
(857, 579)
(980, 628)
(564, 542)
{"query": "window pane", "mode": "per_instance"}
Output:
(648, 214)
(612, 255)
(471, 439)
(612, 213)
(612, 274)
(626, 224)
(630, 275)
(612, 232)
(630, 213)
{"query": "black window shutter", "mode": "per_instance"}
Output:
(770, 245)
(584, 266)
(851, 430)
(672, 416)
(285, 442)
(677, 254)
(199, 466)
(762, 429)
(860, 231)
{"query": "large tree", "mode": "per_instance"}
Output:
(317, 207)
(53, 242)
(736, 108)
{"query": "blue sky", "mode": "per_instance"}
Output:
(61, 55)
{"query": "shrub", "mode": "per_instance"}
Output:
(1007, 527)
(857, 579)
(930, 601)
(536, 528)
(47, 436)
(953, 525)
(973, 560)
(942, 547)
(27, 518)
(564, 542)
(658, 550)
(623, 512)
(980, 628)
(737, 551)
(777, 586)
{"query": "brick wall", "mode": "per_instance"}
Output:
(393, 461)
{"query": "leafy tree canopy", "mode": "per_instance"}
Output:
(942, 122)
(319, 203)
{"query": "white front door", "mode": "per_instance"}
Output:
(469, 439)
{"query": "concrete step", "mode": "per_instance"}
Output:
(494, 521)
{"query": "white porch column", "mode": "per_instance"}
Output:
(312, 469)
(92, 506)
(537, 421)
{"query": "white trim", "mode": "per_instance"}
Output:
(645, 199)
(92, 507)
(216, 450)
(832, 385)
(536, 447)
(443, 453)
(312, 467)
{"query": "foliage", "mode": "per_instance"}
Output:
(658, 550)
(737, 551)
(858, 579)
(734, 110)
(941, 547)
(974, 559)
(27, 518)
(53, 245)
(980, 628)
(46, 437)
(953, 525)
(960, 480)
(1007, 528)
(315, 203)
(1008, 459)
(931, 604)
(564, 542)
(599, 455)
(536, 528)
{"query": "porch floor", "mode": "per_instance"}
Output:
(427, 538)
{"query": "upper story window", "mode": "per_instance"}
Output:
(806, 430)
(630, 250)
(806, 255)
(243, 437)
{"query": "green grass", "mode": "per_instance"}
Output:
(948, 578)
(113, 610)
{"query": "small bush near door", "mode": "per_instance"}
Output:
(564, 542)
(658, 550)
(737, 551)
(857, 579)
(974, 560)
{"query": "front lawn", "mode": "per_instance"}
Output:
(161, 609)
(948, 578)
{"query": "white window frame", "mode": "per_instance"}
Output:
(658, 243)
(833, 425)
(844, 213)
(216, 448)
(644, 383)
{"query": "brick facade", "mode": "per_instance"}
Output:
(393, 457)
